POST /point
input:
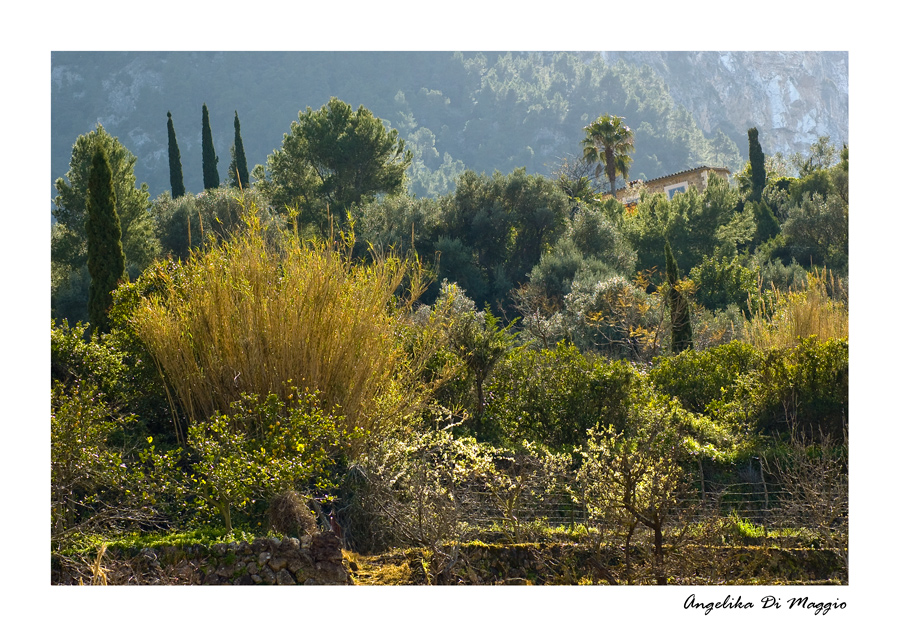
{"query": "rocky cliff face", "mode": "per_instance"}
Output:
(792, 97)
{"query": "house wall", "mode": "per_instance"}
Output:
(698, 178)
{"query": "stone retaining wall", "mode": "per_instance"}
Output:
(310, 560)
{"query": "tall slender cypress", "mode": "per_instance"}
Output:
(105, 256)
(176, 178)
(682, 334)
(757, 165)
(237, 171)
(210, 172)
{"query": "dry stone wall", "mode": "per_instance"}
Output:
(310, 560)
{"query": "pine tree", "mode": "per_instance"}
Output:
(757, 165)
(210, 172)
(682, 334)
(237, 170)
(176, 178)
(105, 257)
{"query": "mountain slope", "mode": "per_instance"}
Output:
(467, 110)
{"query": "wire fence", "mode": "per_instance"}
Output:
(755, 502)
(444, 493)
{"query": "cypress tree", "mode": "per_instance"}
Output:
(210, 172)
(682, 334)
(757, 165)
(240, 176)
(105, 257)
(176, 178)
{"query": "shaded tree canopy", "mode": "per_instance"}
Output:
(132, 203)
(336, 157)
(757, 165)
(210, 171)
(176, 177)
(237, 170)
(682, 334)
(105, 259)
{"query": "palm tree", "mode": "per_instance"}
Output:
(607, 144)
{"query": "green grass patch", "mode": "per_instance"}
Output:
(205, 536)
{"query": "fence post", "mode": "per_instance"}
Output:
(762, 478)
(702, 481)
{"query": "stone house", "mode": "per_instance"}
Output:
(669, 184)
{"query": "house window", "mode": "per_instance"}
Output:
(676, 188)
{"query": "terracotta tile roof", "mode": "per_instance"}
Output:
(680, 172)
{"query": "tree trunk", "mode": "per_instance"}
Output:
(611, 171)
(225, 510)
(658, 541)
(628, 537)
(479, 389)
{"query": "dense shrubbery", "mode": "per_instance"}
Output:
(86, 469)
(265, 448)
(262, 359)
(721, 283)
(119, 365)
(699, 378)
(553, 396)
(251, 315)
(803, 388)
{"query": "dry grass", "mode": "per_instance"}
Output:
(388, 569)
(800, 314)
(289, 515)
(260, 316)
(98, 572)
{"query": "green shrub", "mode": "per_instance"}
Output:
(613, 316)
(190, 221)
(697, 378)
(774, 391)
(817, 231)
(179, 225)
(120, 367)
(76, 355)
(400, 224)
(596, 236)
(816, 182)
(717, 327)
(776, 275)
(457, 262)
(722, 282)
(802, 389)
(264, 446)
(552, 278)
(554, 396)
(86, 471)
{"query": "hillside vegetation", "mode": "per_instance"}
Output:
(520, 359)
(478, 111)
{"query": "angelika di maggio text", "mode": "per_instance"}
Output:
(769, 601)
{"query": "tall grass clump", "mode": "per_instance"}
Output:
(800, 313)
(257, 315)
